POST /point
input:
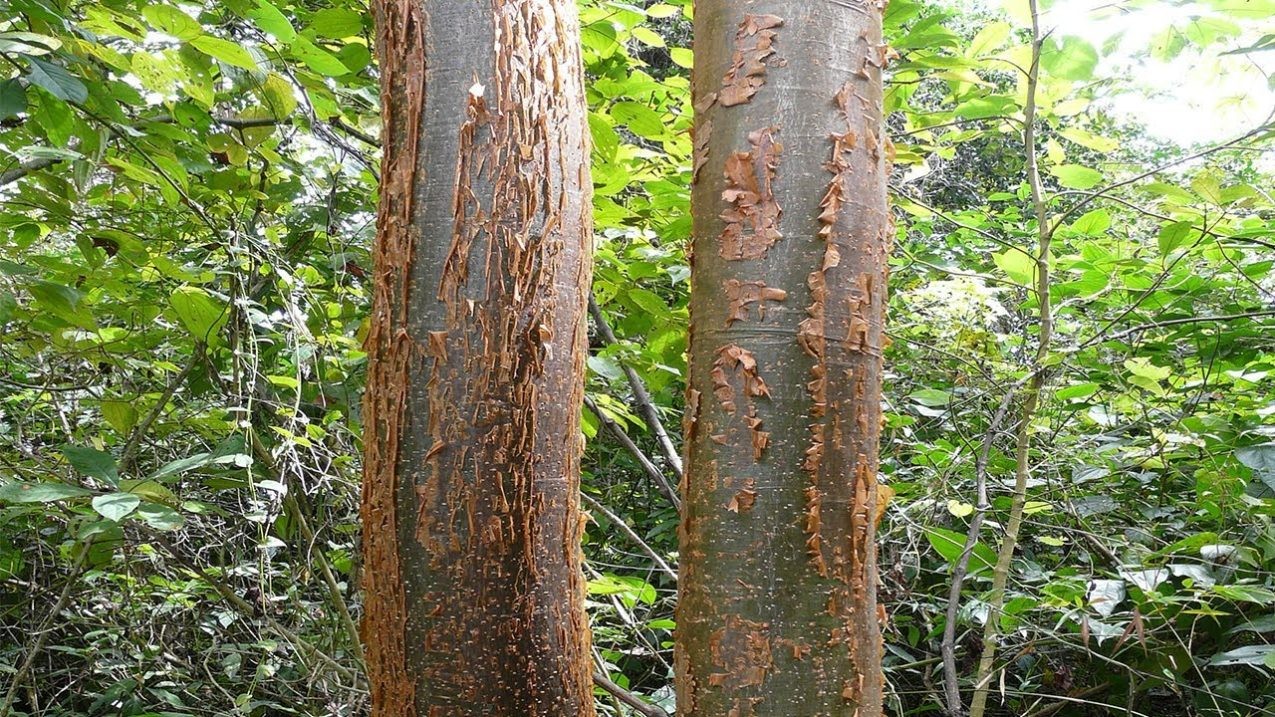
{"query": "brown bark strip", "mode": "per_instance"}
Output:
(400, 25)
(742, 294)
(754, 45)
(752, 214)
(814, 470)
(472, 526)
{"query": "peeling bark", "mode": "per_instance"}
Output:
(777, 612)
(475, 363)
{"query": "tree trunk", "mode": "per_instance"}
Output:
(475, 364)
(777, 614)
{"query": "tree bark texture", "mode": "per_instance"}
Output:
(475, 364)
(777, 612)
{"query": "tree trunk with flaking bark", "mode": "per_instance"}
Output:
(475, 364)
(777, 614)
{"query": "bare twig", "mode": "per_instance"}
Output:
(624, 528)
(643, 460)
(646, 407)
(46, 626)
(139, 432)
(638, 704)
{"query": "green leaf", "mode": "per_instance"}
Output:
(642, 120)
(226, 51)
(336, 23)
(647, 36)
(1082, 390)
(682, 57)
(1018, 266)
(160, 517)
(1143, 367)
(318, 59)
(171, 21)
(951, 544)
(55, 80)
(990, 39)
(648, 301)
(1093, 223)
(13, 99)
(116, 506)
(40, 492)
(1075, 176)
(1245, 593)
(1071, 59)
(269, 18)
(92, 462)
(1251, 655)
(201, 314)
(1172, 236)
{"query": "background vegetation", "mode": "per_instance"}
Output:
(187, 197)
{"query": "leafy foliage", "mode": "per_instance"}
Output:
(187, 197)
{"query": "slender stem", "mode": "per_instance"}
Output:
(643, 460)
(645, 405)
(1031, 394)
(624, 528)
(641, 707)
(951, 681)
(42, 634)
(135, 438)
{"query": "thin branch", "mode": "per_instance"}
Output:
(643, 460)
(646, 407)
(951, 680)
(624, 528)
(12, 175)
(46, 627)
(1187, 320)
(135, 438)
(637, 703)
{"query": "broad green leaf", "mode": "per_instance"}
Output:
(13, 98)
(92, 462)
(642, 120)
(951, 544)
(318, 59)
(171, 21)
(1251, 655)
(1093, 223)
(27, 43)
(201, 314)
(682, 57)
(1019, 266)
(1245, 593)
(1075, 176)
(1143, 367)
(647, 36)
(269, 18)
(55, 80)
(990, 39)
(336, 23)
(226, 51)
(1172, 236)
(160, 517)
(40, 492)
(1072, 58)
(116, 506)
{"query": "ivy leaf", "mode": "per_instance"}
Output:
(1075, 176)
(55, 80)
(18, 492)
(224, 50)
(116, 506)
